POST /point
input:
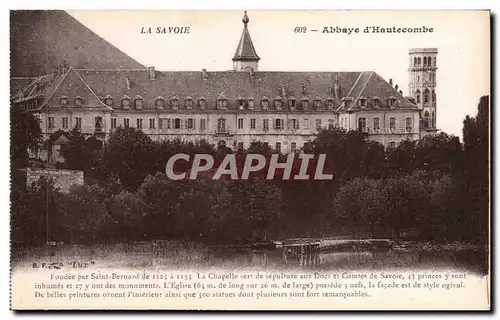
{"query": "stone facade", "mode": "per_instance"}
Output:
(235, 108)
(63, 179)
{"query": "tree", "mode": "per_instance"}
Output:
(448, 220)
(361, 202)
(477, 167)
(127, 211)
(257, 208)
(129, 157)
(30, 208)
(440, 152)
(407, 202)
(83, 215)
(74, 153)
(25, 134)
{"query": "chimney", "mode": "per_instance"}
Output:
(396, 87)
(127, 81)
(283, 92)
(336, 88)
(390, 81)
(401, 92)
(152, 72)
(204, 74)
(304, 89)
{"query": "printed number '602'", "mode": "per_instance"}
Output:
(300, 30)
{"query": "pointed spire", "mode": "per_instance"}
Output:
(245, 50)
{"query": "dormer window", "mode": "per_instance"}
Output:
(305, 103)
(391, 102)
(174, 102)
(160, 103)
(108, 100)
(188, 102)
(241, 103)
(64, 101)
(317, 103)
(376, 102)
(277, 103)
(202, 103)
(264, 103)
(330, 103)
(362, 102)
(78, 101)
(126, 103)
(292, 103)
(251, 103)
(138, 102)
(221, 102)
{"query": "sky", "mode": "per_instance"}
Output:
(461, 37)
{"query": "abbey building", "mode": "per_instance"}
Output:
(235, 108)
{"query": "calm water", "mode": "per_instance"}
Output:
(175, 254)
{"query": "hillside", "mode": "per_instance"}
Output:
(39, 40)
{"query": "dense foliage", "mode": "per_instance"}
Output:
(435, 189)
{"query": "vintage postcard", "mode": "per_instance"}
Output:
(250, 160)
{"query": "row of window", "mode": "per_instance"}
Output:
(376, 124)
(65, 123)
(278, 146)
(293, 146)
(190, 123)
(425, 62)
(428, 96)
(222, 103)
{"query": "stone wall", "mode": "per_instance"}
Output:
(63, 179)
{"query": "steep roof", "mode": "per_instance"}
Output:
(246, 50)
(230, 84)
(95, 85)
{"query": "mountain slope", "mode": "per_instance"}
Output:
(40, 40)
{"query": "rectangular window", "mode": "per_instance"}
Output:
(203, 124)
(376, 124)
(409, 124)
(265, 124)
(113, 123)
(78, 121)
(51, 122)
(151, 123)
(65, 122)
(392, 124)
(177, 123)
(240, 123)
(190, 123)
(330, 124)
(252, 123)
(278, 125)
(306, 124)
(295, 124)
(318, 124)
(168, 123)
(362, 124)
(126, 122)
(139, 123)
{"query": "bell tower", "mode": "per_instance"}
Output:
(245, 58)
(422, 84)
